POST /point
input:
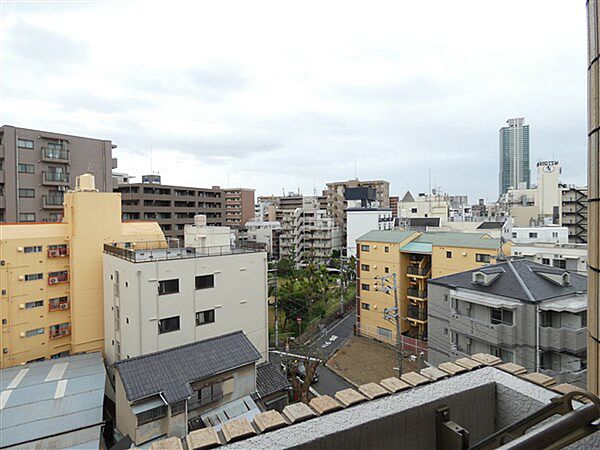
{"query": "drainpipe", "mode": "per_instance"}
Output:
(537, 338)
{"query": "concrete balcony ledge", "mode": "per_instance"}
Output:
(504, 335)
(563, 339)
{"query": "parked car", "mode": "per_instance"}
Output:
(301, 373)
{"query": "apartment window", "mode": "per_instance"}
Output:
(26, 168)
(62, 329)
(168, 325)
(55, 217)
(26, 193)
(364, 267)
(546, 261)
(30, 333)
(168, 286)
(178, 408)
(366, 306)
(560, 263)
(26, 217)
(445, 298)
(33, 249)
(533, 235)
(365, 287)
(364, 248)
(554, 234)
(413, 210)
(448, 254)
(482, 257)
(34, 276)
(454, 303)
(384, 332)
(24, 143)
(386, 269)
(210, 394)
(151, 415)
(205, 281)
(501, 316)
(204, 317)
(514, 234)
(34, 304)
(60, 354)
(386, 249)
(58, 303)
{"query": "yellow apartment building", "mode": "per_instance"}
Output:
(414, 257)
(51, 284)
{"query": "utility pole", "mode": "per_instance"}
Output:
(275, 271)
(393, 313)
(341, 285)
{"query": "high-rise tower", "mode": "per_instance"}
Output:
(514, 156)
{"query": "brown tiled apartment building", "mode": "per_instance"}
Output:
(239, 206)
(37, 167)
(172, 206)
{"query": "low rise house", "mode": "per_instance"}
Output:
(572, 257)
(171, 392)
(520, 311)
(53, 404)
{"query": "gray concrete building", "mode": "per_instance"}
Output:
(514, 168)
(171, 206)
(520, 311)
(37, 167)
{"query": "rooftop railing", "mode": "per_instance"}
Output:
(162, 250)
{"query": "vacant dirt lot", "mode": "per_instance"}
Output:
(362, 360)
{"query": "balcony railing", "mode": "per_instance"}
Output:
(60, 332)
(58, 277)
(58, 251)
(413, 270)
(417, 313)
(414, 292)
(55, 177)
(58, 306)
(55, 154)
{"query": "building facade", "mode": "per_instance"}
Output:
(414, 258)
(158, 297)
(38, 167)
(424, 205)
(362, 220)
(551, 234)
(574, 213)
(520, 311)
(51, 276)
(239, 206)
(394, 200)
(514, 168)
(265, 233)
(171, 206)
(571, 257)
(593, 15)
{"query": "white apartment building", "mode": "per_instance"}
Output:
(424, 205)
(572, 257)
(156, 298)
(309, 229)
(526, 235)
(264, 232)
(362, 220)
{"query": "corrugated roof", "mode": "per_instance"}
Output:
(521, 280)
(170, 372)
(457, 239)
(53, 397)
(270, 380)
(417, 247)
(392, 236)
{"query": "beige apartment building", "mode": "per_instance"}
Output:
(239, 206)
(51, 276)
(38, 167)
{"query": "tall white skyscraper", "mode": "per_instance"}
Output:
(514, 156)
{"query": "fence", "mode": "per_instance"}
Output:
(408, 344)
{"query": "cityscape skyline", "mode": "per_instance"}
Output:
(266, 121)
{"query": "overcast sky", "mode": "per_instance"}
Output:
(291, 95)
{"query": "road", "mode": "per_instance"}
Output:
(328, 341)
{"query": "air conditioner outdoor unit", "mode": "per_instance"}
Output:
(53, 253)
(53, 280)
(64, 306)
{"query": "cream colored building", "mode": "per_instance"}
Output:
(414, 257)
(156, 298)
(51, 276)
(424, 205)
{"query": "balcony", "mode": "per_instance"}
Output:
(58, 251)
(416, 271)
(52, 201)
(55, 178)
(498, 335)
(416, 313)
(54, 155)
(58, 304)
(58, 331)
(563, 339)
(60, 277)
(417, 293)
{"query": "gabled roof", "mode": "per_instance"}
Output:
(269, 380)
(170, 372)
(520, 279)
(407, 197)
(391, 236)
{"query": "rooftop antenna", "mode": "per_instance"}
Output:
(228, 179)
(355, 169)
(151, 161)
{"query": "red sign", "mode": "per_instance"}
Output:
(298, 319)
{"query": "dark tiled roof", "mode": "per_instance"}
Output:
(170, 372)
(407, 197)
(424, 221)
(270, 380)
(519, 279)
(490, 226)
